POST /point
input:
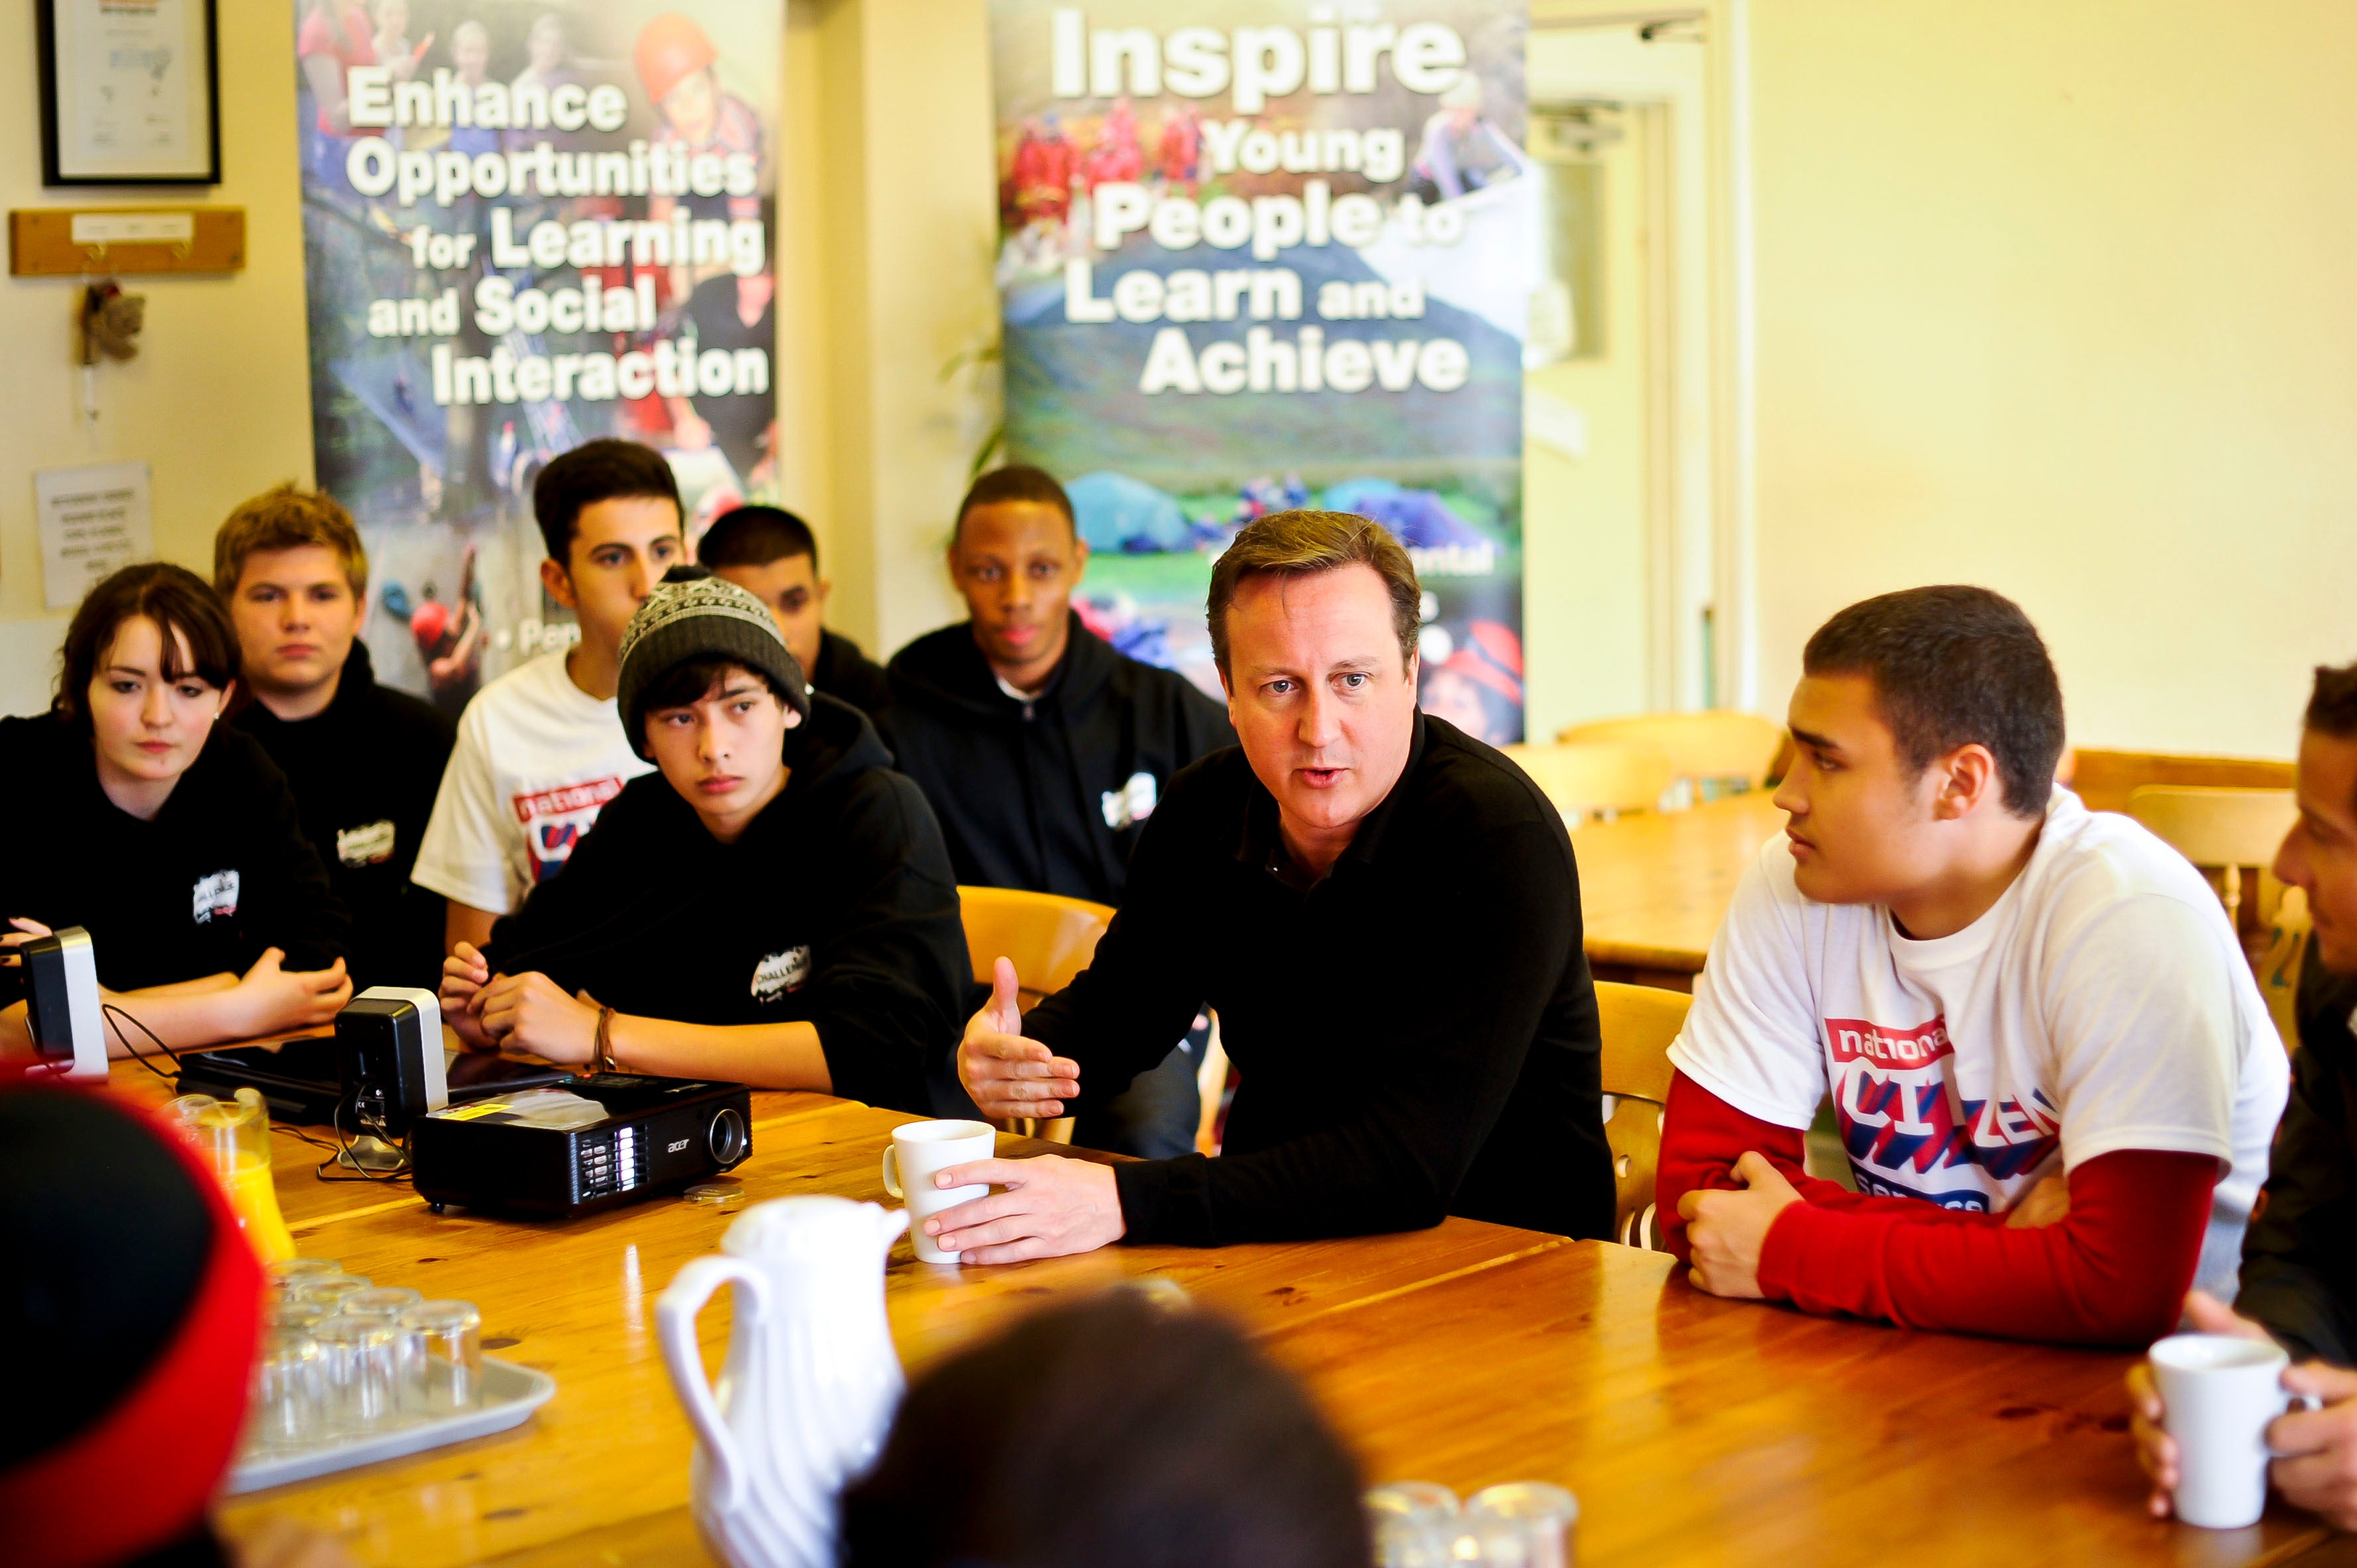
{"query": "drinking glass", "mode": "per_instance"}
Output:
(384, 1302)
(359, 1374)
(1415, 1524)
(286, 1414)
(295, 1316)
(1522, 1524)
(441, 1358)
(288, 1272)
(328, 1291)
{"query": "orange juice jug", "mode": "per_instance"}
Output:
(234, 1136)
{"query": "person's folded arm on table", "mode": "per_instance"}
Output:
(2110, 1267)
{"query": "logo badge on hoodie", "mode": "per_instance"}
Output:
(780, 973)
(370, 844)
(1132, 803)
(216, 897)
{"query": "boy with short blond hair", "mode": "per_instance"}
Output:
(364, 760)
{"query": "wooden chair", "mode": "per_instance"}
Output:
(2104, 779)
(1637, 1024)
(1719, 747)
(1588, 781)
(2218, 829)
(1050, 937)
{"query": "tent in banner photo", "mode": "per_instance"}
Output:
(1257, 255)
(527, 223)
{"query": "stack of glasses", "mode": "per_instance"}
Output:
(342, 1360)
(1521, 1524)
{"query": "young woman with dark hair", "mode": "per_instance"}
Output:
(171, 838)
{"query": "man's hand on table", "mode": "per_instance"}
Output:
(1725, 1229)
(1052, 1206)
(1008, 1076)
(2315, 1465)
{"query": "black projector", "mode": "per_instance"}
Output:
(527, 1154)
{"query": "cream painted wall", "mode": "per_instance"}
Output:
(218, 402)
(2056, 298)
(886, 231)
(2050, 297)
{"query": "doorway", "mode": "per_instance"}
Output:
(1636, 385)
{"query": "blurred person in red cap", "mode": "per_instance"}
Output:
(121, 1261)
(1478, 688)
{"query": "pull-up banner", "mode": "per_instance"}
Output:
(1263, 254)
(527, 223)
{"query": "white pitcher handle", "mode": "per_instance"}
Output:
(675, 1313)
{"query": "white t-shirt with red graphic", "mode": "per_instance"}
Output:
(536, 758)
(2102, 1004)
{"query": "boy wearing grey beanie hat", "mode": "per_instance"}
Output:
(693, 615)
(774, 904)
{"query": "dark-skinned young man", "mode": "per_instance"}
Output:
(1044, 751)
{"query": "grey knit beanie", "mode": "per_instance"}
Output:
(693, 615)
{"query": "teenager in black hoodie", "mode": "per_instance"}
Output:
(167, 835)
(1044, 751)
(364, 760)
(773, 906)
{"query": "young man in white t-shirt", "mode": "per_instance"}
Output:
(541, 748)
(2051, 1071)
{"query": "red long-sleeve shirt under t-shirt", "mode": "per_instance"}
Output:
(2114, 1272)
(2099, 1019)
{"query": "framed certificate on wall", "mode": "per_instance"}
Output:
(130, 93)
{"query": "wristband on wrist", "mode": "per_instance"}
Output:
(601, 1048)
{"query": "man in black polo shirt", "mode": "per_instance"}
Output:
(364, 760)
(1385, 913)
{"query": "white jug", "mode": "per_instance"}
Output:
(807, 1395)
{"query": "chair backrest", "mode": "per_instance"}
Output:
(2218, 829)
(1637, 1024)
(1050, 937)
(1718, 744)
(2104, 779)
(1583, 780)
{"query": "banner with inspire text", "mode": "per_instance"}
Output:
(527, 223)
(1267, 253)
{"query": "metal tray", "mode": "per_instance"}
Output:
(510, 1393)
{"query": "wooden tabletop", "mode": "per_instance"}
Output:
(1653, 886)
(1694, 1431)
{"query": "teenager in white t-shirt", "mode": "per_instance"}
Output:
(542, 749)
(2051, 1072)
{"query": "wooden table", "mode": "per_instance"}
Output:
(1655, 887)
(1694, 1431)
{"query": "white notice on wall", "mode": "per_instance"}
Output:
(93, 520)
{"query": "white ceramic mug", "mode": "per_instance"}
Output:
(918, 1151)
(2219, 1393)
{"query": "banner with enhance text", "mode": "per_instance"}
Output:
(527, 223)
(1267, 253)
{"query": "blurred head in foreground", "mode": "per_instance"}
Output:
(133, 1303)
(1110, 1431)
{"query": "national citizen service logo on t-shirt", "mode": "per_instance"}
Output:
(216, 896)
(780, 973)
